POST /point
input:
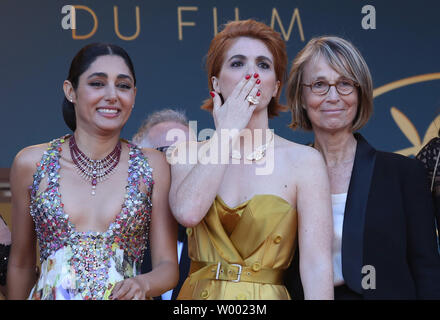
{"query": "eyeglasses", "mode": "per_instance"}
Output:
(168, 150)
(162, 149)
(322, 87)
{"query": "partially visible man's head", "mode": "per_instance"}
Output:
(162, 129)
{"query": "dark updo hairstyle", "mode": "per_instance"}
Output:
(81, 62)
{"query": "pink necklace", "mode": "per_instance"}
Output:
(94, 170)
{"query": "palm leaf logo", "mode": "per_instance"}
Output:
(410, 131)
(403, 122)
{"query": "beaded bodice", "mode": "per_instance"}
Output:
(91, 256)
(429, 155)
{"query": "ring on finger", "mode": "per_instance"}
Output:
(252, 100)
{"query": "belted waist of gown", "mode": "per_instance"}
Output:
(235, 272)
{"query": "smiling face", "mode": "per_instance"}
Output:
(247, 56)
(330, 112)
(104, 96)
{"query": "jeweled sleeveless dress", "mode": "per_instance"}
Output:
(86, 265)
(242, 252)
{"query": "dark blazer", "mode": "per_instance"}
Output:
(388, 224)
(184, 262)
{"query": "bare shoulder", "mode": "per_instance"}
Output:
(308, 168)
(29, 156)
(298, 154)
(24, 164)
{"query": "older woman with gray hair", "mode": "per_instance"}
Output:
(384, 244)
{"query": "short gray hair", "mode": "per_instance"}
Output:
(164, 115)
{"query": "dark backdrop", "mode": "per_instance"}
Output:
(36, 52)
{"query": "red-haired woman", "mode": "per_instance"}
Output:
(244, 221)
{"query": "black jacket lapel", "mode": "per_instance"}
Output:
(355, 211)
(184, 262)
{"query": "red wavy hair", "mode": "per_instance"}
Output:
(252, 29)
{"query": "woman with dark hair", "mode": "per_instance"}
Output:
(88, 197)
(384, 237)
(430, 156)
(244, 222)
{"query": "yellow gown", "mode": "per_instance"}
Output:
(241, 252)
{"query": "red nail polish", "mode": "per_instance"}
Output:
(258, 81)
(258, 93)
(212, 94)
(248, 76)
(256, 75)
